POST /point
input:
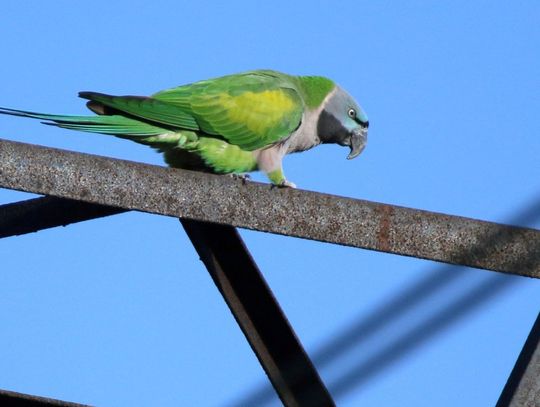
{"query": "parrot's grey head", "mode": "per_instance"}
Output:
(343, 121)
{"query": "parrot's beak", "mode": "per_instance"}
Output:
(358, 142)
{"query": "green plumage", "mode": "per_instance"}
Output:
(250, 110)
(217, 125)
(146, 108)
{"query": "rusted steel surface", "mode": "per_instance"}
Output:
(11, 398)
(523, 386)
(258, 314)
(46, 212)
(310, 215)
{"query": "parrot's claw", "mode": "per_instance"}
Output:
(286, 184)
(242, 177)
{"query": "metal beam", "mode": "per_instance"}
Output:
(14, 399)
(310, 215)
(523, 386)
(259, 315)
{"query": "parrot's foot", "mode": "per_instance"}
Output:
(278, 179)
(285, 184)
(242, 177)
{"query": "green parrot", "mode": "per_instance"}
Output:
(234, 124)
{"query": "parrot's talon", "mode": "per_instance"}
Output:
(286, 184)
(242, 177)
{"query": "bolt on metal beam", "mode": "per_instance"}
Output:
(309, 215)
(14, 399)
(523, 386)
(258, 314)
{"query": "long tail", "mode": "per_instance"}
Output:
(115, 125)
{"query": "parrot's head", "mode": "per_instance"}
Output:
(342, 121)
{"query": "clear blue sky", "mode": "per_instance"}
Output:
(120, 311)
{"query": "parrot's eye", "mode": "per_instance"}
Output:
(352, 113)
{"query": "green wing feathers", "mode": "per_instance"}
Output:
(250, 110)
(146, 108)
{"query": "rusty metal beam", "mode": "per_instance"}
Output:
(258, 313)
(14, 399)
(523, 386)
(298, 213)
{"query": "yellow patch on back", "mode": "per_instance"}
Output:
(258, 111)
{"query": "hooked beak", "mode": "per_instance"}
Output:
(358, 142)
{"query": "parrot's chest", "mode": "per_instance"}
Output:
(305, 137)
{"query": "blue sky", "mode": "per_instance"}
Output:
(119, 311)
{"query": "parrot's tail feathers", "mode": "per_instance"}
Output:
(23, 113)
(114, 125)
(124, 127)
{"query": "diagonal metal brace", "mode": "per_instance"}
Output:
(259, 315)
(523, 386)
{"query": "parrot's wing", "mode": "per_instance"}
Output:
(145, 108)
(251, 110)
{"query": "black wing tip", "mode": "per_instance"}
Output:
(98, 108)
(90, 95)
